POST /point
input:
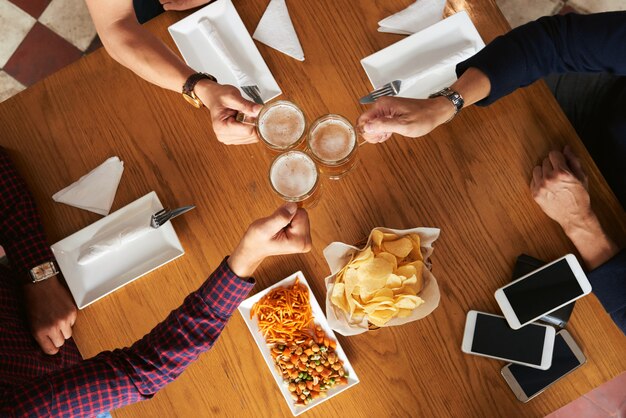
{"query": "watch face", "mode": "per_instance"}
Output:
(195, 102)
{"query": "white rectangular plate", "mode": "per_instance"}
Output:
(91, 281)
(320, 319)
(422, 50)
(200, 55)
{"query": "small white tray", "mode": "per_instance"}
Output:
(320, 319)
(200, 55)
(90, 282)
(422, 50)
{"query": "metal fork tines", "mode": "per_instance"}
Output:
(254, 93)
(161, 217)
(389, 89)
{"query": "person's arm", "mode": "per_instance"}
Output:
(133, 46)
(49, 306)
(555, 44)
(560, 187)
(124, 376)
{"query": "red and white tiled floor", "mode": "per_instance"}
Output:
(38, 37)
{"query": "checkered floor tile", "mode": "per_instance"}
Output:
(40, 37)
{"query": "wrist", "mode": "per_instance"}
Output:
(443, 110)
(204, 90)
(593, 244)
(243, 263)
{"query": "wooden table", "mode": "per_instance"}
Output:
(470, 178)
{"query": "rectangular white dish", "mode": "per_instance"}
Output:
(245, 309)
(422, 51)
(200, 55)
(90, 282)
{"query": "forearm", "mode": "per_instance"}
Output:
(593, 244)
(555, 44)
(137, 49)
(21, 232)
(121, 377)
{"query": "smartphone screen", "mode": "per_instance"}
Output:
(533, 380)
(494, 337)
(543, 291)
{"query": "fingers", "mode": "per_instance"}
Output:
(229, 131)
(537, 177)
(574, 164)
(300, 230)
(237, 102)
(50, 340)
(382, 125)
(546, 167)
(280, 218)
(558, 161)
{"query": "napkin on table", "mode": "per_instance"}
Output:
(113, 237)
(275, 29)
(418, 16)
(95, 190)
(214, 37)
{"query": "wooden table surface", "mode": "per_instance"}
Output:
(469, 178)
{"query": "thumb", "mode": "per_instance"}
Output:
(382, 125)
(281, 217)
(237, 102)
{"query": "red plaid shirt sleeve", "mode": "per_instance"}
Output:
(21, 233)
(124, 376)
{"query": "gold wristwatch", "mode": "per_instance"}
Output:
(43, 272)
(188, 93)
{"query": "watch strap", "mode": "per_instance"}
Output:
(455, 98)
(191, 82)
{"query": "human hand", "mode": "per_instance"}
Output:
(182, 4)
(407, 117)
(286, 231)
(560, 188)
(51, 313)
(224, 101)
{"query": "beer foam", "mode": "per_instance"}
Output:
(293, 174)
(281, 125)
(332, 140)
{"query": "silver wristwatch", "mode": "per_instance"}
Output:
(455, 98)
(43, 271)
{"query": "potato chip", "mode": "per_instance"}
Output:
(377, 238)
(338, 297)
(406, 271)
(406, 302)
(416, 252)
(394, 282)
(404, 313)
(381, 317)
(373, 274)
(390, 258)
(362, 257)
(389, 236)
(383, 293)
(400, 248)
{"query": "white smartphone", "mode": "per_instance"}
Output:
(543, 291)
(490, 336)
(526, 383)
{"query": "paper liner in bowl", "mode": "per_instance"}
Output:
(338, 254)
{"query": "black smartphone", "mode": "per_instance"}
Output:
(526, 382)
(526, 264)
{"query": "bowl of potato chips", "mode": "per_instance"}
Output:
(387, 282)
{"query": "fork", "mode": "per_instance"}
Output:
(161, 217)
(254, 93)
(390, 89)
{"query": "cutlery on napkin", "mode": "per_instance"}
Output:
(275, 29)
(209, 30)
(418, 16)
(95, 190)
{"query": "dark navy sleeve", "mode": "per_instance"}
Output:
(556, 44)
(609, 285)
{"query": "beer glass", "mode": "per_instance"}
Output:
(294, 177)
(281, 125)
(332, 142)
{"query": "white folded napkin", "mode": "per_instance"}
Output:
(418, 16)
(465, 51)
(95, 190)
(210, 31)
(113, 237)
(275, 29)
